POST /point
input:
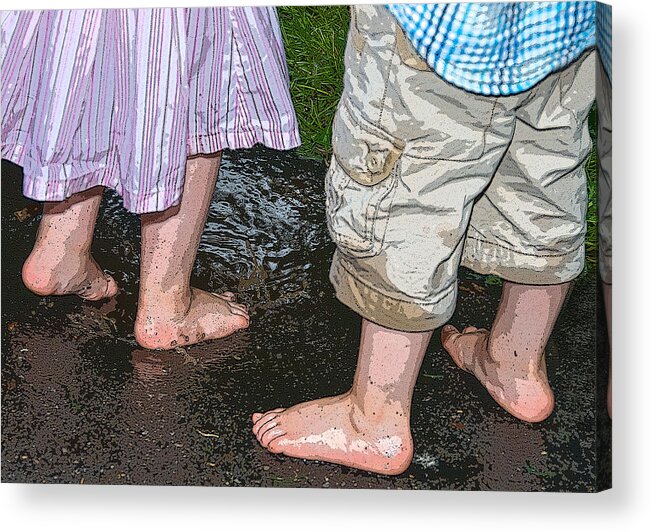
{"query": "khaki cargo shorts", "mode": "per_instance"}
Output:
(426, 176)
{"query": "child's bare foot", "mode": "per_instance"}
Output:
(170, 312)
(514, 380)
(50, 272)
(368, 427)
(61, 263)
(205, 316)
(335, 429)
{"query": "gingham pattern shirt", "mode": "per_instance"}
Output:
(498, 48)
(604, 14)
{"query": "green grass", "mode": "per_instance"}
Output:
(315, 39)
(591, 168)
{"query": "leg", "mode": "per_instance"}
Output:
(368, 427)
(398, 221)
(61, 262)
(509, 360)
(529, 228)
(170, 312)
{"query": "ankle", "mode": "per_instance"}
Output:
(158, 316)
(371, 407)
(162, 304)
(511, 357)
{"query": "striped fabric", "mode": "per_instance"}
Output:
(120, 98)
(498, 48)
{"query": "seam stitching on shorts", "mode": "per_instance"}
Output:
(573, 250)
(442, 295)
(386, 83)
(363, 124)
(398, 178)
(370, 232)
(483, 151)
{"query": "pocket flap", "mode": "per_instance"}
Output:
(366, 153)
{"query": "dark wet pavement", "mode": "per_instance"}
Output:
(82, 403)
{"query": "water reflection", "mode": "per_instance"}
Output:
(81, 401)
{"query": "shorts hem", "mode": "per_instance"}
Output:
(389, 312)
(488, 258)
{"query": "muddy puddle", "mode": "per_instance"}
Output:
(82, 403)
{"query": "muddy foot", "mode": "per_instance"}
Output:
(335, 430)
(517, 385)
(206, 317)
(48, 274)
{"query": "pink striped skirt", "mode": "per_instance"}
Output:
(120, 98)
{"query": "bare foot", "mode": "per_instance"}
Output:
(205, 316)
(335, 429)
(49, 273)
(514, 380)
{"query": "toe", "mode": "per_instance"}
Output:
(267, 417)
(112, 287)
(107, 288)
(267, 427)
(449, 339)
(473, 330)
(255, 417)
(260, 426)
(225, 296)
(271, 435)
(91, 297)
(242, 320)
(448, 334)
(238, 306)
(275, 445)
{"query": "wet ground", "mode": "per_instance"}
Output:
(82, 403)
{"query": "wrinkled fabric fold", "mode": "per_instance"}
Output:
(120, 98)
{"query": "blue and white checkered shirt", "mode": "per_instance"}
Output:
(501, 48)
(604, 14)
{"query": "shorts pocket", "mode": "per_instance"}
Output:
(360, 184)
